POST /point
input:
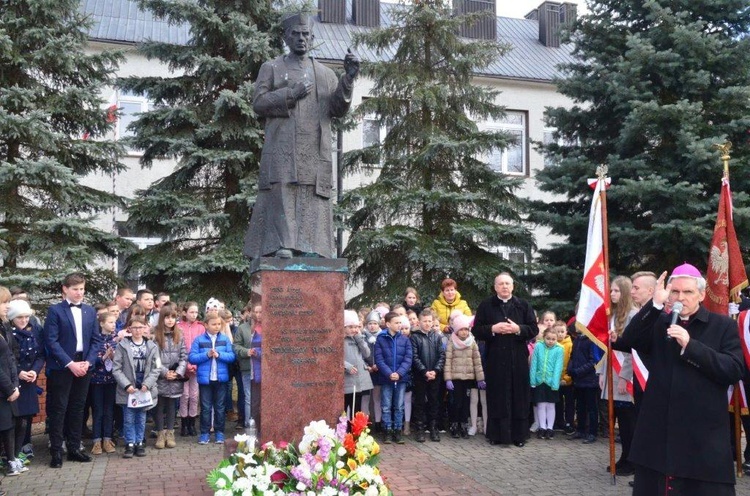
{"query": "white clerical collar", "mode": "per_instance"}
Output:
(504, 300)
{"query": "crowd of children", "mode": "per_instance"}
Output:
(152, 362)
(442, 368)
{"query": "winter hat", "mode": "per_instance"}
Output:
(373, 316)
(382, 311)
(212, 304)
(19, 308)
(462, 321)
(351, 318)
(686, 270)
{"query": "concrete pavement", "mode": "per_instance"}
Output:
(450, 467)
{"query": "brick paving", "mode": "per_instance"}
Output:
(451, 467)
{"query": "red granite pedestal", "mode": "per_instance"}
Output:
(303, 344)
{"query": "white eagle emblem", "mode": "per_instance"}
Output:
(599, 281)
(719, 260)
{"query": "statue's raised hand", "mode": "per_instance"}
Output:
(351, 64)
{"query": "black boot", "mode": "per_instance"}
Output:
(454, 430)
(388, 436)
(183, 426)
(419, 432)
(434, 432)
(464, 431)
(191, 427)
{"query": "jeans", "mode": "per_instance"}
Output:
(165, 408)
(213, 397)
(134, 424)
(247, 390)
(103, 406)
(392, 401)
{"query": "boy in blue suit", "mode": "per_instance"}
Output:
(71, 339)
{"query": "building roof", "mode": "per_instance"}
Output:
(120, 21)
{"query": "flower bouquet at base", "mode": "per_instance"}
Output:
(327, 462)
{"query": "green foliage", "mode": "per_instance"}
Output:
(53, 130)
(656, 85)
(203, 118)
(435, 209)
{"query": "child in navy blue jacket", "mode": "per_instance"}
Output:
(393, 357)
(212, 353)
(582, 368)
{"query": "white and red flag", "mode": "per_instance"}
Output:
(592, 318)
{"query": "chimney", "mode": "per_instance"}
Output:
(483, 29)
(552, 16)
(366, 12)
(332, 11)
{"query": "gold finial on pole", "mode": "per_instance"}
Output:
(724, 149)
(601, 172)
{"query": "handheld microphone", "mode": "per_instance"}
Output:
(676, 309)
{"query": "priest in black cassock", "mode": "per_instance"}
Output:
(506, 323)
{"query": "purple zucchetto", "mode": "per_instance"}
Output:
(686, 270)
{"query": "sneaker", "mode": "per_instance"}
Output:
(129, 451)
(203, 439)
(15, 467)
(534, 427)
(569, 429)
(140, 449)
(24, 459)
(28, 450)
(219, 438)
(97, 448)
(472, 431)
(589, 439)
(550, 434)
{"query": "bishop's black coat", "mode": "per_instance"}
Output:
(507, 367)
(683, 426)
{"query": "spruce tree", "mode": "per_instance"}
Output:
(435, 209)
(656, 84)
(53, 130)
(202, 117)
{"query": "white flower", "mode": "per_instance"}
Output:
(329, 491)
(223, 492)
(339, 464)
(241, 484)
(341, 451)
(221, 483)
(228, 471)
(300, 486)
(241, 438)
(371, 491)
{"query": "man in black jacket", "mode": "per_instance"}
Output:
(681, 441)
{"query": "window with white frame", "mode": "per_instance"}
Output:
(511, 160)
(516, 256)
(373, 133)
(129, 106)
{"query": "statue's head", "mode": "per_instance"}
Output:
(298, 32)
